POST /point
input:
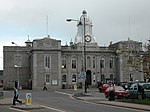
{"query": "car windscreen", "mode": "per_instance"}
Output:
(146, 86)
(119, 89)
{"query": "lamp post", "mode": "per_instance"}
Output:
(84, 46)
(17, 65)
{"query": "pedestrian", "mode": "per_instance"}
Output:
(15, 98)
(142, 91)
(111, 95)
(45, 88)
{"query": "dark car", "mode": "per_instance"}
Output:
(119, 91)
(123, 84)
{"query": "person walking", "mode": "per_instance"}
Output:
(15, 98)
(45, 88)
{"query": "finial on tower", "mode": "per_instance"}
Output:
(84, 12)
(28, 42)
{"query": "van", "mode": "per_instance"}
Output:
(136, 89)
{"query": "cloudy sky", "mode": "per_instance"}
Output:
(113, 20)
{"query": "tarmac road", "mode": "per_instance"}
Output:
(62, 101)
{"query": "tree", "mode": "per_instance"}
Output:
(139, 60)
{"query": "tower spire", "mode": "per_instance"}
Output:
(28, 42)
(81, 27)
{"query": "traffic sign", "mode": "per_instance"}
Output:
(82, 74)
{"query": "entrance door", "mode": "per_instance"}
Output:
(88, 77)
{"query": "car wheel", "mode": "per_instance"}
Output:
(106, 96)
(100, 90)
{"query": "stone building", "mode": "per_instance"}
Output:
(47, 61)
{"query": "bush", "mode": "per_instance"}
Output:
(138, 101)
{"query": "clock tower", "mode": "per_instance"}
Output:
(89, 37)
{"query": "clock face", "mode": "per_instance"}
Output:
(88, 38)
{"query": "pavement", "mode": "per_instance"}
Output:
(92, 95)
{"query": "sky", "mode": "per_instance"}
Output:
(113, 20)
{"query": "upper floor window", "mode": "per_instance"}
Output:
(88, 61)
(74, 64)
(94, 62)
(64, 63)
(17, 60)
(102, 62)
(47, 61)
(111, 64)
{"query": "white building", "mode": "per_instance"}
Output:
(46, 60)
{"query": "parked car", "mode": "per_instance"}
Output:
(123, 84)
(136, 89)
(103, 87)
(119, 91)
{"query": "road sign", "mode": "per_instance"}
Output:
(28, 99)
(82, 74)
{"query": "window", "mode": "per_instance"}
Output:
(111, 77)
(17, 60)
(88, 61)
(131, 77)
(111, 63)
(74, 78)
(94, 62)
(102, 78)
(47, 78)
(64, 78)
(74, 64)
(102, 63)
(47, 61)
(63, 63)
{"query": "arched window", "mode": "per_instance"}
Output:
(64, 78)
(131, 77)
(102, 63)
(111, 77)
(102, 78)
(73, 78)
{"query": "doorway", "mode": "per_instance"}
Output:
(88, 77)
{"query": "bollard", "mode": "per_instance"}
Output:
(1, 93)
(75, 87)
(28, 99)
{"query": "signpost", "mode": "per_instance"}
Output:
(28, 99)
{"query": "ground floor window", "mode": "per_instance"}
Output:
(74, 78)
(102, 78)
(47, 78)
(64, 78)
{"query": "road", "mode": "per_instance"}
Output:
(56, 101)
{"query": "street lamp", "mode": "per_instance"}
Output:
(84, 44)
(17, 64)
